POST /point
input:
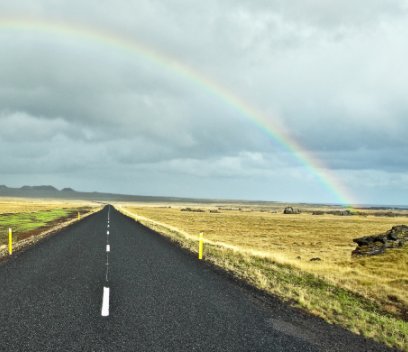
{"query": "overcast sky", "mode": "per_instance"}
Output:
(79, 113)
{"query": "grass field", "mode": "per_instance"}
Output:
(272, 251)
(28, 217)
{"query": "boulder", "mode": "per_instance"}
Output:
(315, 259)
(291, 210)
(396, 237)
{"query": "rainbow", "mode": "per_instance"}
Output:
(73, 30)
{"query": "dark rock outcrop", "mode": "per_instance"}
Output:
(346, 212)
(195, 210)
(318, 212)
(342, 212)
(377, 244)
(290, 210)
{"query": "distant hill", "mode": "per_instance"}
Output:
(47, 191)
(69, 193)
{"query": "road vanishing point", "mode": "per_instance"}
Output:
(107, 283)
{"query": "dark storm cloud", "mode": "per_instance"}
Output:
(334, 76)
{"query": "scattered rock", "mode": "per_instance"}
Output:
(193, 210)
(393, 298)
(214, 211)
(388, 214)
(315, 259)
(377, 244)
(346, 212)
(290, 210)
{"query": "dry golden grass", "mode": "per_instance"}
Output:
(19, 205)
(258, 235)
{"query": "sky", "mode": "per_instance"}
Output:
(88, 114)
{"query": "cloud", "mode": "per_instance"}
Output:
(333, 76)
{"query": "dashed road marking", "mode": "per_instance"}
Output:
(106, 290)
(107, 274)
(105, 302)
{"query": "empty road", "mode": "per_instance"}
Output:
(85, 289)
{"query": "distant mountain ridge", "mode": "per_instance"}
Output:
(47, 191)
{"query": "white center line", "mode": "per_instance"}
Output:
(106, 290)
(107, 267)
(105, 302)
(107, 274)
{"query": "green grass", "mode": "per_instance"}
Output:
(25, 222)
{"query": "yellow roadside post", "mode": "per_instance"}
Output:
(10, 242)
(200, 246)
(79, 216)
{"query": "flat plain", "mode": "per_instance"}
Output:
(29, 217)
(303, 258)
(160, 299)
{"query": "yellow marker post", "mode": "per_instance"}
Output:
(10, 243)
(79, 216)
(200, 246)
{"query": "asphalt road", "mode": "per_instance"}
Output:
(160, 299)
